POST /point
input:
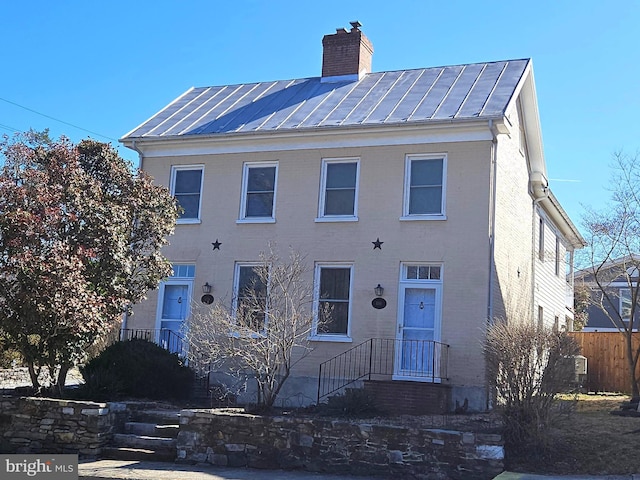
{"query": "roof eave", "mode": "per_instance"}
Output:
(129, 141)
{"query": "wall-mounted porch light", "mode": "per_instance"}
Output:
(206, 288)
(379, 291)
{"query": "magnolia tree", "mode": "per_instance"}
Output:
(613, 236)
(265, 331)
(80, 239)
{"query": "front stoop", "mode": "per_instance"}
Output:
(149, 435)
(410, 398)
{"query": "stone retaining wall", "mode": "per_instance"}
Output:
(44, 425)
(323, 445)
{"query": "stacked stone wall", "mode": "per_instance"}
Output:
(324, 445)
(44, 425)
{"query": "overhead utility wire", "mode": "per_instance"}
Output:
(57, 120)
(9, 128)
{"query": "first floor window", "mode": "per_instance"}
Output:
(259, 191)
(186, 187)
(424, 186)
(333, 299)
(251, 297)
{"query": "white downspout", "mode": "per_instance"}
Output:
(492, 219)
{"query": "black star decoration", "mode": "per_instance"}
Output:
(216, 245)
(377, 244)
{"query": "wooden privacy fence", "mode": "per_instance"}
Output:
(607, 369)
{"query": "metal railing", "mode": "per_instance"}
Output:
(163, 337)
(411, 359)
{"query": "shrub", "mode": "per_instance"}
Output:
(136, 369)
(527, 366)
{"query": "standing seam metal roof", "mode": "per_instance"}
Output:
(473, 91)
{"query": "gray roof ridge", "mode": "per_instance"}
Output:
(435, 67)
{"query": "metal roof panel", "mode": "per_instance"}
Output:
(382, 98)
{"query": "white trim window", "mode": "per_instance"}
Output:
(258, 199)
(186, 187)
(625, 304)
(424, 190)
(250, 297)
(332, 302)
(339, 190)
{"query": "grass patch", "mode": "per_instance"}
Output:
(587, 439)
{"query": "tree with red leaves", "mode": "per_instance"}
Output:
(80, 240)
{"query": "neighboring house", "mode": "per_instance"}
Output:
(610, 306)
(428, 182)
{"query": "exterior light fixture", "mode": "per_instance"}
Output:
(206, 288)
(379, 291)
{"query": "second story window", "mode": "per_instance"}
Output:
(258, 192)
(186, 187)
(424, 187)
(339, 190)
(625, 304)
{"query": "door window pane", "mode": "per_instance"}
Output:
(419, 308)
(174, 303)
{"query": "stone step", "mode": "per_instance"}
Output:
(138, 454)
(151, 429)
(159, 417)
(142, 441)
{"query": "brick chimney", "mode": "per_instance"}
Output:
(346, 55)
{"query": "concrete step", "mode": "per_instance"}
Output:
(142, 441)
(159, 417)
(151, 429)
(138, 454)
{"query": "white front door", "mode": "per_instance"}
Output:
(173, 312)
(417, 353)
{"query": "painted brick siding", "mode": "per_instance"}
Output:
(460, 243)
(532, 282)
(513, 230)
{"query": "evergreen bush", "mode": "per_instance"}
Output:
(136, 369)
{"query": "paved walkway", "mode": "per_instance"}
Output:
(529, 476)
(130, 470)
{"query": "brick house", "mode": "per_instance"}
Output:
(430, 183)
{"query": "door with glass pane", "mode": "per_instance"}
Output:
(174, 309)
(416, 354)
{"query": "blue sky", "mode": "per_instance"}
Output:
(105, 67)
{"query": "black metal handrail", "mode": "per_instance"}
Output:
(163, 337)
(419, 359)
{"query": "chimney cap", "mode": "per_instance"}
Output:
(356, 25)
